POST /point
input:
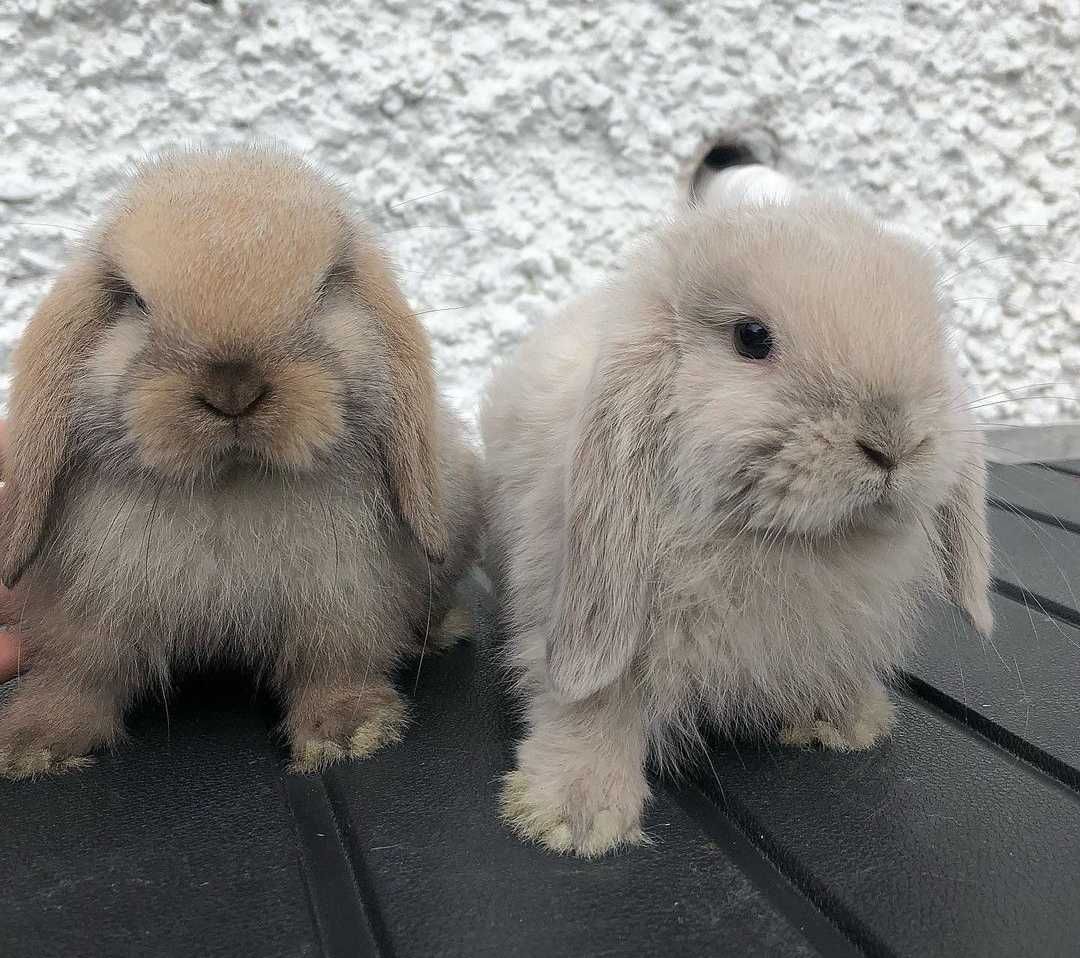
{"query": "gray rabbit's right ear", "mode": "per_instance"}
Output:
(46, 363)
(610, 537)
(965, 544)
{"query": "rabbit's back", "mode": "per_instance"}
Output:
(532, 401)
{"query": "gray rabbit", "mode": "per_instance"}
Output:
(718, 488)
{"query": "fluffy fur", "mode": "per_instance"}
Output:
(226, 443)
(682, 534)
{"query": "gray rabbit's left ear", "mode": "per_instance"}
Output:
(965, 545)
(600, 614)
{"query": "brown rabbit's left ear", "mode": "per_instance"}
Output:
(411, 446)
(965, 545)
(45, 365)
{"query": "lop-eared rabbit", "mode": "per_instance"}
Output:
(226, 443)
(718, 488)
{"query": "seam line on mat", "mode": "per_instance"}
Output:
(861, 937)
(761, 869)
(1062, 469)
(309, 798)
(1034, 600)
(1046, 518)
(361, 879)
(996, 734)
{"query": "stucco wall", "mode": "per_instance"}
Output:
(549, 134)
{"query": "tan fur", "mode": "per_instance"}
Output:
(40, 408)
(681, 534)
(212, 281)
(338, 724)
(413, 449)
(227, 443)
(458, 624)
(866, 720)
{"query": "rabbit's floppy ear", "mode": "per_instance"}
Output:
(410, 441)
(965, 544)
(46, 362)
(614, 480)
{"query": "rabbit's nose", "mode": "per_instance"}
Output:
(232, 389)
(882, 458)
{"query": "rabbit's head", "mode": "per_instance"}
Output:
(230, 317)
(816, 390)
(768, 374)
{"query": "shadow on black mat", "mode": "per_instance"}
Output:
(957, 836)
(190, 839)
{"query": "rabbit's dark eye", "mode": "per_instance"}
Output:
(753, 339)
(133, 300)
(123, 295)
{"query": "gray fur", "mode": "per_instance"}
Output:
(682, 535)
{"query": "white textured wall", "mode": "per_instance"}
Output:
(554, 132)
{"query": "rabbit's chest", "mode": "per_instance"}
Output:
(750, 644)
(237, 560)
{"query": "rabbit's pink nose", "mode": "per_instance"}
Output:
(231, 389)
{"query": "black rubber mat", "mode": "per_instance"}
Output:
(180, 843)
(1020, 687)
(936, 842)
(423, 821)
(958, 836)
(1036, 562)
(1071, 467)
(1038, 492)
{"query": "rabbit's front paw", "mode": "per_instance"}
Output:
(350, 726)
(583, 817)
(31, 761)
(43, 732)
(31, 748)
(870, 720)
(459, 623)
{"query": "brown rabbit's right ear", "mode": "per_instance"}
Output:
(45, 364)
(615, 475)
(410, 442)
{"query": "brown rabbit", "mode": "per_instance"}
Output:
(226, 442)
